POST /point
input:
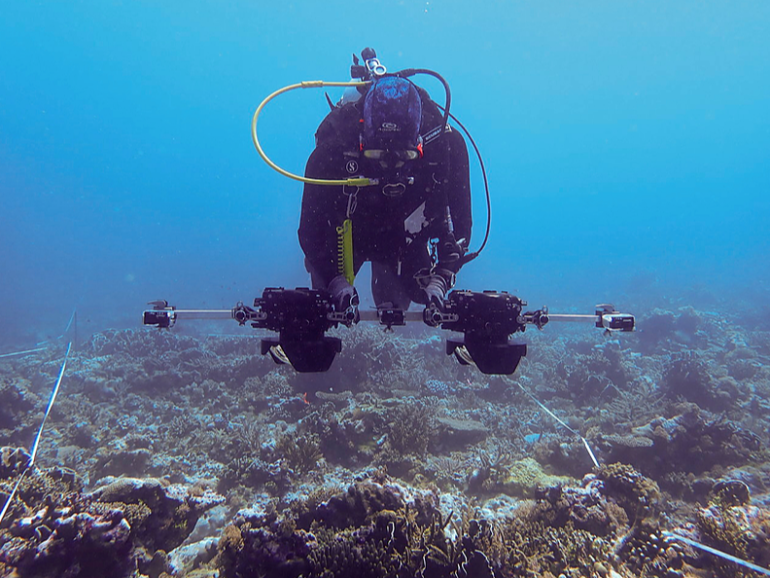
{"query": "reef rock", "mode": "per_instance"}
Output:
(525, 476)
(732, 524)
(68, 541)
(457, 433)
(688, 443)
(162, 516)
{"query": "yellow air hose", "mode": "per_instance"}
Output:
(355, 182)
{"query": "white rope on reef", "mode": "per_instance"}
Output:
(23, 352)
(39, 434)
(719, 553)
(666, 534)
(554, 416)
(73, 321)
(50, 405)
(11, 496)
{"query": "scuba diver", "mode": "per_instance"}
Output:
(388, 182)
(414, 224)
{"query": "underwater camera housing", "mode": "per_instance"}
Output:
(609, 319)
(486, 320)
(301, 317)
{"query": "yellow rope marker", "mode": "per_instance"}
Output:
(345, 251)
(355, 182)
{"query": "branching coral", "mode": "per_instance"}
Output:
(688, 375)
(491, 463)
(248, 437)
(412, 429)
(641, 401)
(301, 452)
(449, 470)
(534, 549)
(182, 425)
(16, 402)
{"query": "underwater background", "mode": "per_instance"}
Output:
(626, 145)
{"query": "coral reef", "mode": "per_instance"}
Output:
(397, 462)
(301, 452)
(730, 523)
(524, 477)
(68, 541)
(371, 530)
(58, 530)
(688, 439)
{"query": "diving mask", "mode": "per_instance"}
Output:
(392, 158)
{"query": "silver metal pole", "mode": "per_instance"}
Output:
(203, 313)
(573, 318)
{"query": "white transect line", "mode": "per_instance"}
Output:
(554, 416)
(69, 323)
(13, 494)
(667, 534)
(50, 405)
(39, 434)
(719, 553)
(23, 352)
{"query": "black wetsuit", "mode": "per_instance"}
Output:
(392, 231)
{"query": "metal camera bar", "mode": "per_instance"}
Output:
(302, 317)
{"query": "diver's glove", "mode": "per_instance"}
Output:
(344, 295)
(436, 285)
(450, 251)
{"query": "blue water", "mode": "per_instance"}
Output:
(626, 145)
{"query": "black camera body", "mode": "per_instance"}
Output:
(487, 320)
(301, 317)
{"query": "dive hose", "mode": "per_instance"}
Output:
(354, 182)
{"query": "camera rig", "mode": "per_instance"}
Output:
(483, 321)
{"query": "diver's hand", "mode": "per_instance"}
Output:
(451, 253)
(435, 290)
(344, 295)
